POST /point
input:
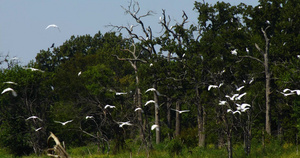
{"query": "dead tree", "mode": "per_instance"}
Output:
(58, 150)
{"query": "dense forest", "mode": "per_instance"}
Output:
(232, 78)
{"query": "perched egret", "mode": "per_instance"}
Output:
(247, 50)
(63, 123)
(154, 127)
(10, 89)
(121, 124)
(10, 82)
(240, 96)
(89, 117)
(109, 106)
(79, 73)
(180, 111)
(222, 102)
(151, 65)
(52, 25)
(33, 117)
(298, 56)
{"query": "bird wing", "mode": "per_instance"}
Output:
(150, 89)
(6, 90)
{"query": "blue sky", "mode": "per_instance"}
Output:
(23, 23)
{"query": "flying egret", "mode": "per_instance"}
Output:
(285, 90)
(33, 117)
(252, 79)
(33, 69)
(233, 112)
(10, 82)
(180, 111)
(109, 106)
(150, 101)
(234, 52)
(137, 109)
(89, 117)
(52, 25)
(37, 129)
(232, 98)
(63, 123)
(240, 96)
(240, 88)
(297, 91)
(154, 127)
(10, 89)
(242, 107)
(214, 86)
(222, 102)
(121, 124)
(120, 93)
(153, 90)
(287, 94)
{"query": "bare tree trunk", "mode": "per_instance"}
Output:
(247, 135)
(229, 145)
(178, 118)
(169, 116)
(157, 119)
(201, 121)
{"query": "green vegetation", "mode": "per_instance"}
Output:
(249, 51)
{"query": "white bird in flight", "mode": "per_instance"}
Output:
(153, 90)
(137, 109)
(150, 101)
(33, 117)
(52, 25)
(233, 112)
(10, 82)
(109, 106)
(89, 117)
(234, 52)
(121, 124)
(222, 102)
(10, 89)
(214, 86)
(243, 107)
(180, 111)
(240, 96)
(38, 129)
(232, 98)
(120, 93)
(240, 88)
(154, 127)
(33, 69)
(63, 123)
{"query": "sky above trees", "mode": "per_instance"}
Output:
(23, 23)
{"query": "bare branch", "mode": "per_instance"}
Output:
(251, 57)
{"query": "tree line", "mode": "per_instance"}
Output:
(236, 71)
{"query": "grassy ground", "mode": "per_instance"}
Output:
(163, 150)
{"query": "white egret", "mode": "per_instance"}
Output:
(33, 117)
(79, 73)
(120, 93)
(109, 106)
(33, 69)
(52, 25)
(154, 127)
(243, 107)
(297, 91)
(180, 111)
(214, 86)
(150, 101)
(233, 112)
(252, 79)
(234, 52)
(139, 109)
(287, 94)
(298, 56)
(10, 82)
(63, 123)
(10, 89)
(151, 65)
(285, 90)
(240, 96)
(240, 88)
(247, 50)
(89, 117)
(37, 129)
(222, 102)
(232, 98)
(121, 124)
(153, 90)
